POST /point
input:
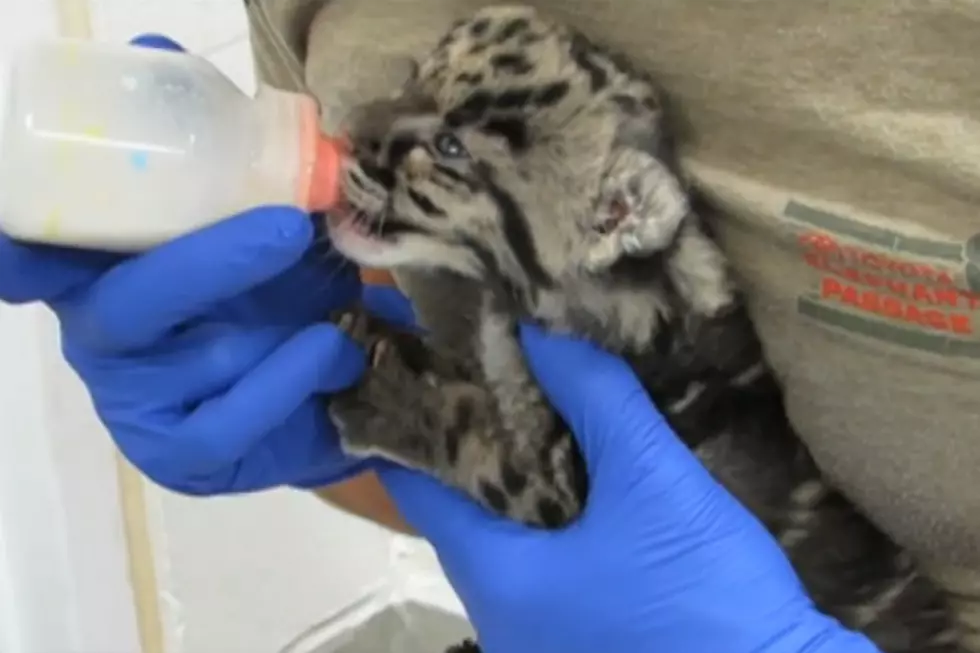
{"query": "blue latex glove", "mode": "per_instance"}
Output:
(204, 355)
(663, 559)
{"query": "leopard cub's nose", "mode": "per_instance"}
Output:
(418, 164)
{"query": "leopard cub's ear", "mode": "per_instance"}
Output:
(639, 209)
(404, 72)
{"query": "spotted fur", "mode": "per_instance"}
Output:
(526, 173)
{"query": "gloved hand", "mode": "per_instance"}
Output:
(663, 559)
(203, 356)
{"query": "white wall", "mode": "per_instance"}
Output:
(63, 577)
(243, 574)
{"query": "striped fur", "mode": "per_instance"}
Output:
(526, 173)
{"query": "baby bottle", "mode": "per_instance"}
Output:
(121, 148)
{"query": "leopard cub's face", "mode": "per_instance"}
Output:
(500, 157)
(421, 191)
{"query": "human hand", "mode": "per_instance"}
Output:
(663, 558)
(203, 356)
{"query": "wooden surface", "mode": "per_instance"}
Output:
(377, 278)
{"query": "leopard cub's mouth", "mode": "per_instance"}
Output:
(381, 227)
(365, 228)
(346, 219)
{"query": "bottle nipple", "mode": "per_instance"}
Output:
(324, 190)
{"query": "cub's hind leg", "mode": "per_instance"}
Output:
(516, 459)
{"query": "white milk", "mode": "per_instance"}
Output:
(120, 148)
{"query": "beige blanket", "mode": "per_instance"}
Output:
(842, 140)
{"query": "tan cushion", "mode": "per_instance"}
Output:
(842, 140)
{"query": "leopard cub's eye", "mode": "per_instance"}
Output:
(449, 146)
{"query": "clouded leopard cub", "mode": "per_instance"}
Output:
(525, 173)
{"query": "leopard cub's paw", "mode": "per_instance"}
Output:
(360, 327)
(355, 423)
(371, 416)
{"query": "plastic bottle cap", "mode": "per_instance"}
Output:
(324, 191)
(322, 159)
